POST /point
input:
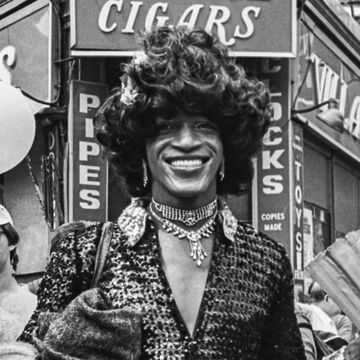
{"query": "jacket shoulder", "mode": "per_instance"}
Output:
(75, 229)
(264, 240)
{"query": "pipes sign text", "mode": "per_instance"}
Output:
(87, 169)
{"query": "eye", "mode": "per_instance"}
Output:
(206, 125)
(165, 126)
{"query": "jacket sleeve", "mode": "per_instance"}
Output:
(281, 338)
(344, 327)
(307, 335)
(67, 274)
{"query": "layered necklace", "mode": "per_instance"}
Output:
(189, 218)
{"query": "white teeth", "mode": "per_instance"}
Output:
(186, 163)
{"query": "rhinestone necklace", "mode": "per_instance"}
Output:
(187, 217)
(197, 252)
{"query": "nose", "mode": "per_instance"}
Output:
(186, 138)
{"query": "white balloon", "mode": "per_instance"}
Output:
(17, 127)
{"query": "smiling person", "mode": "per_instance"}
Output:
(182, 131)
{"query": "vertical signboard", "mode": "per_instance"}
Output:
(273, 214)
(297, 162)
(279, 170)
(88, 171)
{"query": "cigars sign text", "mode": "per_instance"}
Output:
(247, 27)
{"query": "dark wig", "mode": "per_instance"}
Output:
(13, 239)
(185, 71)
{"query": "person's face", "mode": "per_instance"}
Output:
(332, 308)
(184, 159)
(4, 250)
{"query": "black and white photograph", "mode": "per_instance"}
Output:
(179, 180)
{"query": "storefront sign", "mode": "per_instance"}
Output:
(88, 171)
(298, 204)
(273, 162)
(27, 51)
(264, 28)
(324, 75)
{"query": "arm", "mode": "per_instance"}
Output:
(68, 274)
(344, 327)
(309, 343)
(349, 352)
(281, 335)
(307, 336)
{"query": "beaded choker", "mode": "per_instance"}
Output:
(187, 217)
(197, 252)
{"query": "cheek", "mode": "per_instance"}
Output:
(151, 158)
(4, 249)
(220, 151)
(152, 149)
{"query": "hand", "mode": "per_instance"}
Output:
(352, 351)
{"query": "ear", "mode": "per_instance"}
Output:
(221, 172)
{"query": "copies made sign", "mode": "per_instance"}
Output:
(265, 28)
(273, 175)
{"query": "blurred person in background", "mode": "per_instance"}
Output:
(16, 302)
(323, 301)
(315, 347)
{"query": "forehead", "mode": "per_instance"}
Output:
(182, 118)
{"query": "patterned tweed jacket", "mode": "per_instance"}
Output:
(247, 310)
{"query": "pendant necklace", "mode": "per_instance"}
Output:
(197, 252)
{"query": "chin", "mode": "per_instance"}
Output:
(190, 190)
(188, 194)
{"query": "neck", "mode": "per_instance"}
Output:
(184, 203)
(190, 218)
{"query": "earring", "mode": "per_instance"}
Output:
(222, 171)
(145, 174)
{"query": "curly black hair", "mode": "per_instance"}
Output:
(185, 70)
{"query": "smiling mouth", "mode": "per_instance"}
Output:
(186, 163)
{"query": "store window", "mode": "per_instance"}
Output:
(331, 194)
(317, 175)
(317, 234)
(317, 228)
(346, 197)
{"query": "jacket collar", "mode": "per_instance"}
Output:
(134, 218)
